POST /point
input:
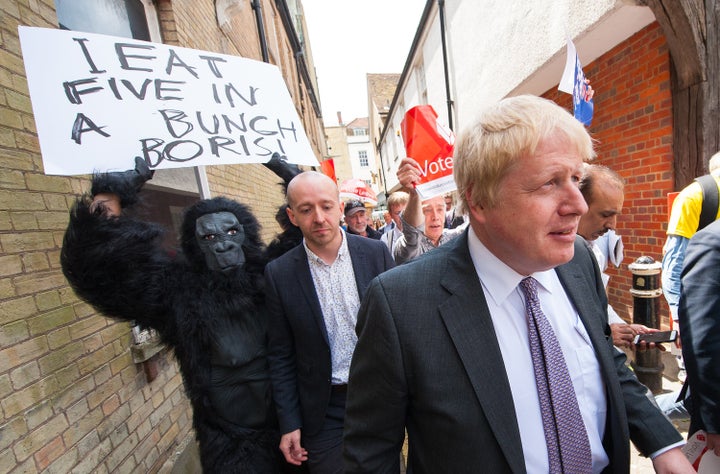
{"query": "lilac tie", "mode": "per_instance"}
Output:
(565, 434)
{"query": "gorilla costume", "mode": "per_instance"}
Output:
(290, 237)
(206, 303)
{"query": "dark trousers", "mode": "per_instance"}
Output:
(325, 447)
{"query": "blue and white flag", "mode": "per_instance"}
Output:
(573, 82)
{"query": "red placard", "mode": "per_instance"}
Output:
(328, 168)
(431, 144)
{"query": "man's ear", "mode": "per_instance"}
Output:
(475, 210)
(291, 216)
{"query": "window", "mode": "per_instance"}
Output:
(126, 18)
(360, 132)
(364, 163)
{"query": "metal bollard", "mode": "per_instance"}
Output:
(645, 292)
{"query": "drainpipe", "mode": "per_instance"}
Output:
(441, 10)
(382, 171)
(261, 29)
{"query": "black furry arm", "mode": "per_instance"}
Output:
(280, 166)
(125, 184)
(117, 265)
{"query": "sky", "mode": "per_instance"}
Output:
(350, 39)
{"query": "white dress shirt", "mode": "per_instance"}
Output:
(507, 310)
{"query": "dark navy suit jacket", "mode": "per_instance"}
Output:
(299, 351)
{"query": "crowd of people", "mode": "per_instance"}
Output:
(474, 325)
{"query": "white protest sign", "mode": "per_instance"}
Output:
(99, 101)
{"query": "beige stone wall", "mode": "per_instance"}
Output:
(71, 398)
(338, 143)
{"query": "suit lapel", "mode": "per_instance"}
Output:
(468, 322)
(573, 280)
(573, 277)
(304, 278)
(361, 263)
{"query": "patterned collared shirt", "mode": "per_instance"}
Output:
(339, 301)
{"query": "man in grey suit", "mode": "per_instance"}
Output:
(313, 294)
(444, 341)
(699, 314)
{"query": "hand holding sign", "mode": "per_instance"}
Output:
(409, 174)
(430, 145)
(703, 452)
(125, 185)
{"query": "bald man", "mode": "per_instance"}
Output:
(313, 296)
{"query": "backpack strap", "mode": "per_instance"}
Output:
(710, 200)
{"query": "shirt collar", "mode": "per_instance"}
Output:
(499, 279)
(342, 251)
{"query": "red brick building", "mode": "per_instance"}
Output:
(632, 126)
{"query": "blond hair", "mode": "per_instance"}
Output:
(504, 133)
(398, 198)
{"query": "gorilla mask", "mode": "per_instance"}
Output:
(220, 237)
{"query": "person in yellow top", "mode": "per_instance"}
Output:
(684, 222)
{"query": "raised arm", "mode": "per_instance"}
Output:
(408, 174)
(113, 262)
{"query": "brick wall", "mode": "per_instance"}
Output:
(71, 398)
(633, 129)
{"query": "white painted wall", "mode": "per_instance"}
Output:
(499, 48)
(497, 45)
(357, 143)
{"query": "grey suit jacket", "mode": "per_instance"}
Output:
(298, 349)
(428, 360)
(699, 314)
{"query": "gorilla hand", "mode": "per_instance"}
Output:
(124, 184)
(279, 165)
